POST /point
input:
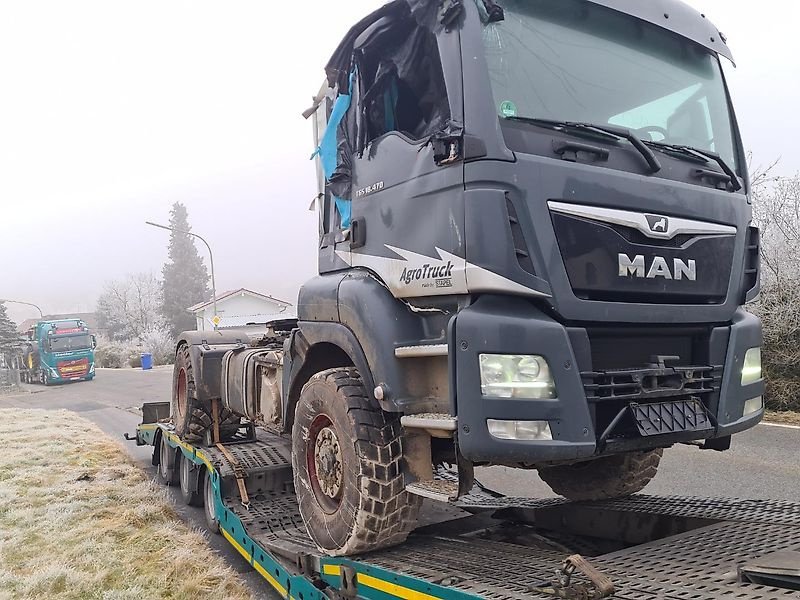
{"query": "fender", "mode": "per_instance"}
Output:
(315, 347)
(206, 349)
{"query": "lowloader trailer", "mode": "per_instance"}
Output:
(486, 545)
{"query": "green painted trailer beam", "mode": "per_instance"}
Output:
(372, 583)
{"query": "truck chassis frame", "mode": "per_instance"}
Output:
(485, 544)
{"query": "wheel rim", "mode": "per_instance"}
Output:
(325, 464)
(181, 392)
(211, 508)
(163, 459)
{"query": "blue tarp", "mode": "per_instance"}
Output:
(328, 148)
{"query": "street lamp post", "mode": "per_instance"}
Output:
(210, 254)
(41, 314)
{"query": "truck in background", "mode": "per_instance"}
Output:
(59, 351)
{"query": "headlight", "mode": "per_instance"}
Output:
(753, 405)
(516, 376)
(751, 372)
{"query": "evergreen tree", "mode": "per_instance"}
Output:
(8, 331)
(185, 278)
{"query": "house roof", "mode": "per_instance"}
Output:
(225, 295)
(89, 318)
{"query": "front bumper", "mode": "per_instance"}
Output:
(507, 325)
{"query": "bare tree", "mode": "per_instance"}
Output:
(131, 308)
(777, 213)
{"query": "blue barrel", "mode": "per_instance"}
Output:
(147, 361)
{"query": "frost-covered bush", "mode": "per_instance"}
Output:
(158, 342)
(110, 355)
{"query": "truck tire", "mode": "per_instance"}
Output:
(603, 478)
(167, 474)
(209, 506)
(192, 417)
(347, 458)
(190, 494)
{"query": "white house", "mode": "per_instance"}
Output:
(241, 309)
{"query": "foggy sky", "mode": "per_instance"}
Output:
(112, 111)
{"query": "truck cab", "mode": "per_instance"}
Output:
(59, 351)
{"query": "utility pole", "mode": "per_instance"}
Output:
(41, 314)
(210, 254)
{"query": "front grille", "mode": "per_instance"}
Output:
(651, 384)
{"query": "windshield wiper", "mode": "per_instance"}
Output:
(607, 131)
(702, 155)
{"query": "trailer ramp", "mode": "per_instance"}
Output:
(491, 546)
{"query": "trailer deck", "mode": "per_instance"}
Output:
(491, 546)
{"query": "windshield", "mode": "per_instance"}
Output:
(576, 61)
(70, 342)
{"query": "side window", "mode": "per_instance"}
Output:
(388, 79)
(403, 85)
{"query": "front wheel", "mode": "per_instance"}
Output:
(347, 457)
(604, 478)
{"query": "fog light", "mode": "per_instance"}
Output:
(516, 376)
(751, 371)
(753, 405)
(520, 430)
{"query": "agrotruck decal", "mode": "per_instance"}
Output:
(416, 275)
(442, 274)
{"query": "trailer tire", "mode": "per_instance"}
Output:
(364, 505)
(166, 473)
(604, 478)
(209, 507)
(192, 417)
(192, 497)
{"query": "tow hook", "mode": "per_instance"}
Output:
(599, 585)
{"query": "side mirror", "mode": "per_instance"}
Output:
(94, 342)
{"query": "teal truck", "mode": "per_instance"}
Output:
(59, 351)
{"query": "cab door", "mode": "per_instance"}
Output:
(407, 212)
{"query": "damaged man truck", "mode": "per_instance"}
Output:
(535, 245)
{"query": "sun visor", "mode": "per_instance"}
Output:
(674, 16)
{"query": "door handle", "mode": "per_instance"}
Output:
(358, 233)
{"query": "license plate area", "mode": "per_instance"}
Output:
(662, 418)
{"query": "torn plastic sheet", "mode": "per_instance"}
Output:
(406, 89)
(490, 11)
(329, 148)
(430, 14)
(394, 78)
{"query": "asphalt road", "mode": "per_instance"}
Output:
(764, 463)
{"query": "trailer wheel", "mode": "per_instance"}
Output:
(192, 497)
(192, 417)
(603, 478)
(166, 463)
(209, 506)
(347, 458)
